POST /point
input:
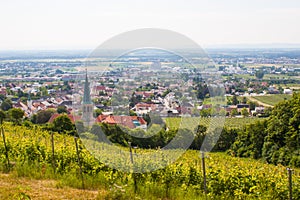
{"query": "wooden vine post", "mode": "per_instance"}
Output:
(5, 147)
(79, 162)
(133, 174)
(204, 172)
(53, 152)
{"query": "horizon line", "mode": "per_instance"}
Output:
(205, 46)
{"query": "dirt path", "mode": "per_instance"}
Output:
(259, 102)
(25, 188)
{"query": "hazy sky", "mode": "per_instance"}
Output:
(66, 24)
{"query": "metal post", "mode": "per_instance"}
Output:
(290, 171)
(204, 172)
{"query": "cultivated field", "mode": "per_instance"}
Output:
(38, 173)
(272, 99)
(213, 121)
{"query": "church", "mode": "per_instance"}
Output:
(87, 104)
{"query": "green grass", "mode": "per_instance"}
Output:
(273, 99)
(215, 100)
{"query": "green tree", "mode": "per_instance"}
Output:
(205, 112)
(62, 109)
(259, 74)
(252, 105)
(226, 138)
(250, 140)
(44, 91)
(97, 112)
(244, 100)
(16, 115)
(235, 100)
(6, 105)
(63, 124)
(234, 112)
(277, 140)
(43, 116)
(245, 112)
(202, 91)
(132, 113)
(282, 143)
(200, 132)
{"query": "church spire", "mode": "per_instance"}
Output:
(29, 101)
(87, 91)
(87, 104)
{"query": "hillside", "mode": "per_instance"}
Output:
(227, 177)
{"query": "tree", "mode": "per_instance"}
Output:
(250, 140)
(202, 91)
(234, 112)
(244, 100)
(234, 100)
(6, 105)
(44, 91)
(245, 112)
(98, 112)
(200, 132)
(132, 113)
(63, 124)
(259, 74)
(252, 105)
(43, 116)
(16, 115)
(276, 140)
(282, 142)
(62, 109)
(225, 139)
(205, 112)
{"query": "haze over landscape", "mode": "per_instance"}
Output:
(150, 100)
(82, 24)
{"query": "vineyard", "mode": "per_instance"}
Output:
(213, 122)
(31, 154)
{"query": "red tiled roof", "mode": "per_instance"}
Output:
(145, 106)
(124, 120)
(73, 118)
(120, 120)
(100, 87)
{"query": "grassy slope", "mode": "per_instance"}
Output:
(12, 187)
(236, 172)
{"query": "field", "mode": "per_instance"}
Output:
(272, 99)
(34, 172)
(213, 122)
(266, 76)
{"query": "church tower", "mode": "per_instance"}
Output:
(87, 104)
(29, 101)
